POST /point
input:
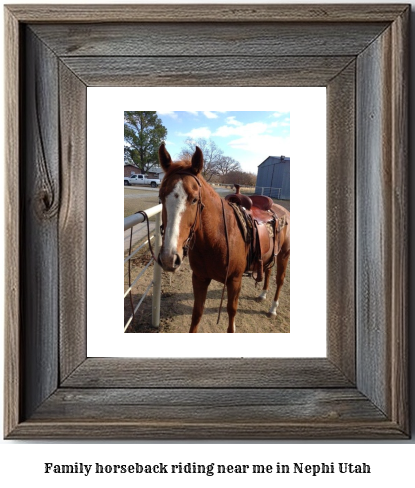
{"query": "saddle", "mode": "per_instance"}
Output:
(260, 228)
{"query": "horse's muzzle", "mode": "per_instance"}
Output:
(169, 262)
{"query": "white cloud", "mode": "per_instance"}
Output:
(173, 115)
(280, 123)
(200, 132)
(279, 114)
(232, 121)
(193, 112)
(263, 144)
(211, 115)
(242, 130)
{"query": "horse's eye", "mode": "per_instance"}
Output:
(194, 201)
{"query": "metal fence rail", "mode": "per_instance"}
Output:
(129, 223)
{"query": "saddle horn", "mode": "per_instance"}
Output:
(238, 198)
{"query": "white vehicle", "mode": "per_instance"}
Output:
(141, 180)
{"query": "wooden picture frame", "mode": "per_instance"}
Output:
(360, 53)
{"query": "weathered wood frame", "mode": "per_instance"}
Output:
(359, 52)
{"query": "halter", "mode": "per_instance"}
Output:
(188, 243)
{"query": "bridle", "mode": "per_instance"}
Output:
(189, 242)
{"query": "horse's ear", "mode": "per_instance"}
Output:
(164, 157)
(197, 161)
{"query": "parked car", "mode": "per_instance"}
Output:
(141, 180)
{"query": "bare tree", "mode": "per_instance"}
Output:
(240, 177)
(212, 154)
(217, 167)
(226, 165)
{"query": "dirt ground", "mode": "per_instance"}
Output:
(177, 302)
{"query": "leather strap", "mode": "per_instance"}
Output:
(227, 258)
(200, 206)
(188, 173)
(148, 233)
(192, 231)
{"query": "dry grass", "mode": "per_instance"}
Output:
(138, 199)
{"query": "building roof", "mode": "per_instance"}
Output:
(275, 160)
(156, 169)
(153, 169)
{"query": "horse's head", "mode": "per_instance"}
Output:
(180, 194)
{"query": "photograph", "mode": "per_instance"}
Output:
(208, 76)
(210, 191)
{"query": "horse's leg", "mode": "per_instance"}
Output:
(264, 292)
(282, 261)
(200, 287)
(234, 288)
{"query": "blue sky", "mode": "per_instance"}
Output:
(249, 137)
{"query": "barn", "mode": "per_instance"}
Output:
(273, 177)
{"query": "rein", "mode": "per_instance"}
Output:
(200, 207)
(143, 213)
(188, 242)
(227, 260)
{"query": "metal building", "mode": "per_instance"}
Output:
(273, 178)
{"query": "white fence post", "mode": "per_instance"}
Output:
(156, 275)
(129, 223)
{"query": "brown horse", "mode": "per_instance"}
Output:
(198, 222)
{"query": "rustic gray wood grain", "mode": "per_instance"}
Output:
(210, 405)
(208, 13)
(206, 373)
(207, 71)
(165, 430)
(400, 234)
(72, 222)
(13, 353)
(233, 39)
(40, 177)
(341, 232)
(373, 217)
(381, 223)
(209, 414)
(305, 399)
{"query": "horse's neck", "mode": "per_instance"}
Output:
(212, 213)
(211, 200)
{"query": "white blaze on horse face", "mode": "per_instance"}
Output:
(175, 206)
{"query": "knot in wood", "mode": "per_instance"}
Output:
(46, 204)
